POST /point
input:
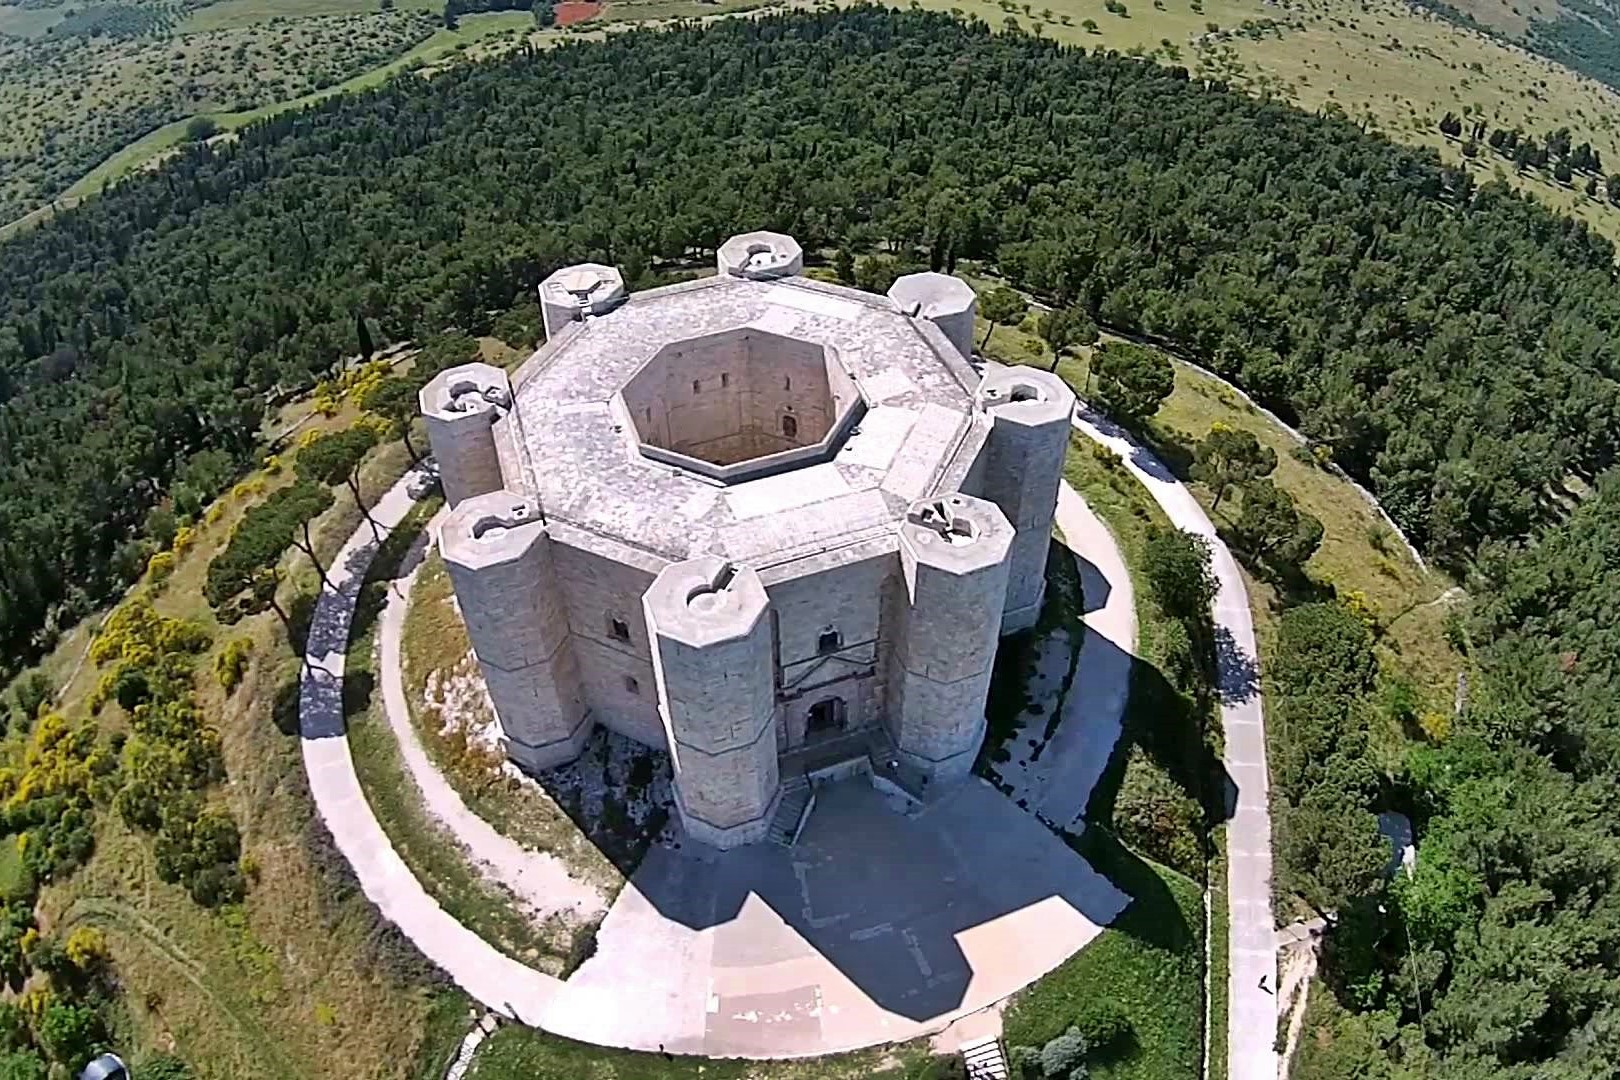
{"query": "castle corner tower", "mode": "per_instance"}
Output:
(713, 663)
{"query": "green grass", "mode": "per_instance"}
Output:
(1148, 965)
(446, 1024)
(1220, 955)
(649, 10)
(28, 22)
(230, 14)
(516, 1053)
(1384, 63)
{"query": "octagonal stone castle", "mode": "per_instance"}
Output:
(767, 524)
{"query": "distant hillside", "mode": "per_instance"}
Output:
(1583, 35)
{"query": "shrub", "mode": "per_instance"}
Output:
(13, 1028)
(70, 1033)
(160, 566)
(32, 692)
(232, 662)
(1065, 1054)
(164, 1067)
(87, 948)
(1103, 1024)
(22, 1064)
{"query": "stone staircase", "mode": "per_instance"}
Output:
(985, 1059)
(791, 811)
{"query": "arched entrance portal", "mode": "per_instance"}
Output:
(827, 718)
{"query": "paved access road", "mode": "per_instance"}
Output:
(1252, 971)
(477, 967)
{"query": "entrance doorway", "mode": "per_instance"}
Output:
(826, 718)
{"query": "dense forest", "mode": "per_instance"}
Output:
(1453, 346)
(1409, 322)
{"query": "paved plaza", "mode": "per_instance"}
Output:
(876, 926)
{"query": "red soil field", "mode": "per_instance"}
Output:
(570, 12)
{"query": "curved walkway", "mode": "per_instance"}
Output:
(757, 952)
(1252, 969)
(479, 968)
(1094, 709)
(540, 880)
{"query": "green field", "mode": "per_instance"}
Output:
(74, 103)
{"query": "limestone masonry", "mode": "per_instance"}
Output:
(767, 524)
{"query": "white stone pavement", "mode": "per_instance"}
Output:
(476, 966)
(1094, 708)
(539, 880)
(1252, 971)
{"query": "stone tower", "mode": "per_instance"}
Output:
(460, 407)
(574, 292)
(947, 302)
(954, 562)
(759, 256)
(712, 659)
(1030, 412)
(500, 561)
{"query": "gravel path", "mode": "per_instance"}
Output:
(1252, 974)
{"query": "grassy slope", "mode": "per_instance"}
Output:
(304, 979)
(1391, 65)
(229, 14)
(435, 648)
(1148, 963)
(425, 846)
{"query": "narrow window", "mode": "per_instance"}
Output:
(632, 685)
(725, 380)
(696, 386)
(619, 629)
(829, 642)
(790, 427)
(787, 382)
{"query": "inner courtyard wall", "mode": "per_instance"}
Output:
(723, 398)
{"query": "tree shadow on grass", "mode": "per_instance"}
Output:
(1169, 726)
